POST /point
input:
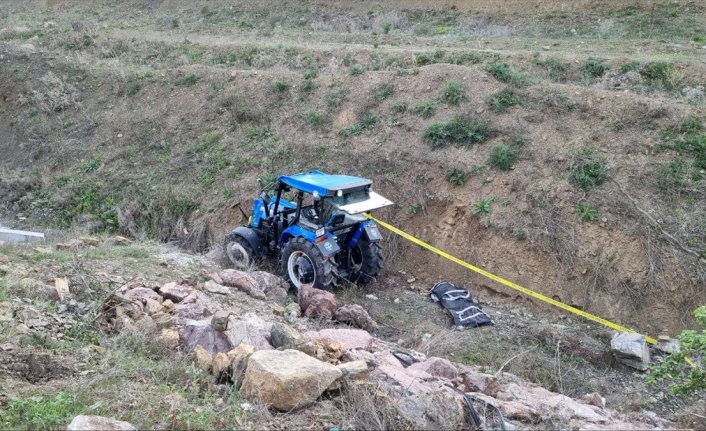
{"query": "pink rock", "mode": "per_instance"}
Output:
(437, 367)
(355, 315)
(175, 292)
(240, 280)
(316, 303)
(349, 338)
(480, 382)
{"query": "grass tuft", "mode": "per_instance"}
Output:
(458, 130)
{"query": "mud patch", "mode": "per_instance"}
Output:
(33, 366)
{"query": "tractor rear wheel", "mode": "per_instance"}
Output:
(303, 263)
(238, 251)
(365, 261)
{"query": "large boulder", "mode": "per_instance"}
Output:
(175, 292)
(240, 280)
(201, 332)
(316, 303)
(439, 410)
(93, 423)
(354, 314)
(349, 338)
(631, 349)
(238, 362)
(286, 380)
(437, 367)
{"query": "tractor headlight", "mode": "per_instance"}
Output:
(320, 232)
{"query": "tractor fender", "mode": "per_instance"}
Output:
(327, 247)
(251, 237)
(368, 229)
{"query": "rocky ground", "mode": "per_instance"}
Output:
(163, 339)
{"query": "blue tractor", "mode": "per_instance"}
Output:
(314, 227)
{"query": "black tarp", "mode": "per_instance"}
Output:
(459, 303)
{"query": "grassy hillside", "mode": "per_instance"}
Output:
(503, 136)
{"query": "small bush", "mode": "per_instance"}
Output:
(368, 119)
(358, 69)
(280, 85)
(503, 100)
(385, 92)
(426, 109)
(455, 176)
(399, 107)
(132, 88)
(483, 206)
(189, 80)
(423, 59)
(587, 169)
(458, 130)
(315, 119)
(594, 67)
(465, 58)
(503, 157)
(586, 212)
(506, 73)
(336, 96)
(454, 93)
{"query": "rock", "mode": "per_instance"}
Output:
(22, 329)
(631, 349)
(213, 287)
(437, 367)
(175, 292)
(480, 382)
(121, 240)
(71, 245)
(202, 358)
(354, 370)
(286, 380)
(252, 330)
(149, 299)
(90, 241)
(220, 367)
(267, 282)
(349, 338)
(61, 285)
(284, 336)
(92, 423)
(438, 410)
(201, 333)
(277, 309)
(594, 399)
(219, 321)
(47, 292)
(316, 303)
(169, 338)
(238, 362)
(240, 280)
(355, 315)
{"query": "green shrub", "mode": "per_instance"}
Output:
(483, 206)
(368, 119)
(503, 100)
(458, 130)
(465, 58)
(399, 107)
(385, 92)
(454, 93)
(358, 69)
(504, 72)
(422, 59)
(685, 378)
(280, 85)
(587, 169)
(455, 176)
(386, 26)
(40, 412)
(426, 109)
(586, 212)
(132, 88)
(503, 157)
(189, 80)
(336, 96)
(315, 119)
(594, 67)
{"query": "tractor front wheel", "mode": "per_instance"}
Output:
(303, 263)
(238, 251)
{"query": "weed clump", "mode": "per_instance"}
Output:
(358, 69)
(280, 85)
(505, 72)
(426, 109)
(189, 80)
(503, 157)
(594, 68)
(384, 92)
(587, 169)
(455, 176)
(503, 100)
(454, 93)
(586, 212)
(458, 130)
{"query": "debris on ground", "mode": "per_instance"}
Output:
(459, 303)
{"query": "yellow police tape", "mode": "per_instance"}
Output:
(508, 283)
